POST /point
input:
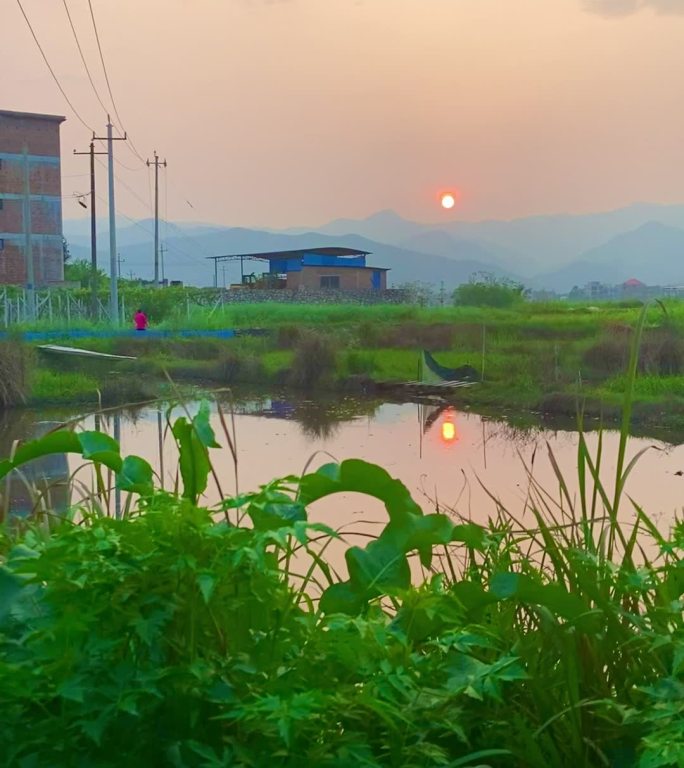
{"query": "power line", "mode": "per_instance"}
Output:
(83, 59)
(132, 191)
(52, 72)
(178, 250)
(109, 87)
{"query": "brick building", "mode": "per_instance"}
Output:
(328, 268)
(30, 171)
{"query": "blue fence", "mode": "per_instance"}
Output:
(78, 333)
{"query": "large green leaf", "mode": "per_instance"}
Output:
(193, 459)
(342, 598)
(94, 446)
(356, 476)
(135, 476)
(378, 569)
(203, 427)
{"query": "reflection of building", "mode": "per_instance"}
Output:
(342, 269)
(40, 484)
(30, 198)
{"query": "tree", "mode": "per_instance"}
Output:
(80, 271)
(486, 290)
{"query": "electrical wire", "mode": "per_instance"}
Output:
(123, 184)
(52, 72)
(109, 87)
(83, 59)
(179, 251)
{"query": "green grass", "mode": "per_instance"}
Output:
(535, 354)
(62, 387)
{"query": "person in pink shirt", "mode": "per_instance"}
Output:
(140, 320)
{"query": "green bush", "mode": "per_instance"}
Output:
(314, 361)
(485, 290)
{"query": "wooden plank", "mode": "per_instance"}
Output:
(56, 349)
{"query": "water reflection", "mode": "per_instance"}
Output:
(42, 484)
(468, 464)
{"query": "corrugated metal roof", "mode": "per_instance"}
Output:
(278, 255)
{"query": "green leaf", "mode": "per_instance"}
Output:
(94, 444)
(193, 460)
(341, 598)
(354, 475)
(378, 569)
(552, 596)
(277, 510)
(471, 535)
(203, 428)
(135, 476)
(206, 583)
(10, 589)
(61, 441)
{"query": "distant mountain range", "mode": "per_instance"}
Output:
(645, 241)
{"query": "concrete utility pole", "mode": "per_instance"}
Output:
(114, 276)
(93, 229)
(162, 250)
(28, 248)
(156, 163)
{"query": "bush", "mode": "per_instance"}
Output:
(314, 361)
(485, 290)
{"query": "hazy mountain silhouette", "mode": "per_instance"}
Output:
(547, 251)
(527, 245)
(652, 253)
(186, 256)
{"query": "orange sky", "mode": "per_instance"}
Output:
(286, 112)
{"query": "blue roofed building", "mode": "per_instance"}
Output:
(328, 268)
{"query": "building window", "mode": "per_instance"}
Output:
(330, 281)
(2, 244)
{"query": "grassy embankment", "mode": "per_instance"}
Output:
(537, 357)
(224, 637)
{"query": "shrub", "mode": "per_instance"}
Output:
(314, 361)
(485, 290)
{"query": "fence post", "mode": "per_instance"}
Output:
(68, 308)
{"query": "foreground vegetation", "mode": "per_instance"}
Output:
(534, 357)
(184, 636)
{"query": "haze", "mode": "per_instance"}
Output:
(277, 113)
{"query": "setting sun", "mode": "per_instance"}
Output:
(448, 201)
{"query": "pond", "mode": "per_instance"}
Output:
(459, 462)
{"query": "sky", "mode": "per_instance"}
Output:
(279, 113)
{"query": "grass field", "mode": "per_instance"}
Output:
(539, 357)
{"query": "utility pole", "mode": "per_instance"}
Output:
(162, 250)
(114, 286)
(28, 248)
(156, 163)
(93, 229)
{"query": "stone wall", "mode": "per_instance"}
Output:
(284, 296)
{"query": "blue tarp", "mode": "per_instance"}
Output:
(79, 333)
